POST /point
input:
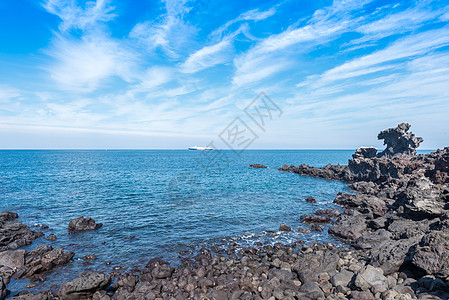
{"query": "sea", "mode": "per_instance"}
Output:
(161, 203)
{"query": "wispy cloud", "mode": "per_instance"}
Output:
(82, 64)
(77, 17)
(252, 15)
(208, 56)
(7, 93)
(325, 25)
(171, 33)
(410, 46)
(395, 23)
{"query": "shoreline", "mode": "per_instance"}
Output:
(397, 225)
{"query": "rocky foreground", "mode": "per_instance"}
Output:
(397, 226)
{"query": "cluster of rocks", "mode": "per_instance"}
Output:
(35, 264)
(294, 271)
(20, 263)
(400, 215)
(14, 235)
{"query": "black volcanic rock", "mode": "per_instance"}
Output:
(258, 166)
(399, 141)
(365, 152)
(84, 286)
(8, 216)
(310, 199)
(83, 224)
(14, 235)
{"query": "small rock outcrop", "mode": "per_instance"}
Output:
(83, 224)
(84, 286)
(258, 166)
(32, 264)
(14, 235)
(284, 227)
(310, 199)
(12, 259)
(8, 216)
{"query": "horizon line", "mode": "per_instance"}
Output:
(178, 149)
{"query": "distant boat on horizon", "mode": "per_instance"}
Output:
(196, 148)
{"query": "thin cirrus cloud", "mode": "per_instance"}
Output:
(208, 56)
(263, 59)
(170, 33)
(74, 16)
(415, 45)
(83, 64)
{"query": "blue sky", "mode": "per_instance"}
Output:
(171, 74)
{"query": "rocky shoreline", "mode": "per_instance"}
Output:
(396, 226)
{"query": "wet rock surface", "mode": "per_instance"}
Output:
(14, 235)
(258, 166)
(83, 224)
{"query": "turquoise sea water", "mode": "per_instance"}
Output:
(157, 203)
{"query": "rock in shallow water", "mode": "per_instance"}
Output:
(83, 224)
(14, 235)
(284, 227)
(310, 199)
(8, 216)
(258, 166)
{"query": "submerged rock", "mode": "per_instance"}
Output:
(258, 166)
(310, 199)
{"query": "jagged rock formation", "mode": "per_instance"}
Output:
(398, 159)
(21, 263)
(14, 235)
(400, 215)
(399, 141)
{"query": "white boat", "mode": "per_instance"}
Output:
(200, 148)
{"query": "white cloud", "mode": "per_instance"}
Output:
(393, 24)
(7, 93)
(325, 25)
(414, 45)
(155, 77)
(74, 16)
(170, 34)
(208, 56)
(84, 64)
(251, 15)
